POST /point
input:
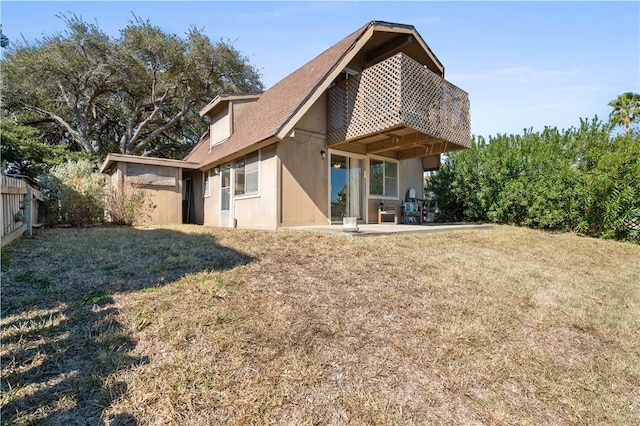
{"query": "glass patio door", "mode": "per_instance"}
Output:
(347, 188)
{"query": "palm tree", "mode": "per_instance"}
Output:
(626, 109)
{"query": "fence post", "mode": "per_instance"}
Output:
(28, 220)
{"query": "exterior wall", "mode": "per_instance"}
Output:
(165, 192)
(117, 177)
(220, 128)
(260, 212)
(304, 173)
(211, 203)
(410, 175)
(294, 181)
(253, 211)
(372, 209)
(305, 182)
(315, 119)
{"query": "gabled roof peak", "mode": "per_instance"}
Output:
(392, 24)
(226, 97)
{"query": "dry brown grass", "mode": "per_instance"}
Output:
(192, 325)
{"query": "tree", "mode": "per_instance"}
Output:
(25, 154)
(137, 94)
(74, 193)
(626, 109)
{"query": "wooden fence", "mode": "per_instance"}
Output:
(20, 205)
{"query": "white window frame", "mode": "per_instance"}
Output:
(384, 179)
(258, 171)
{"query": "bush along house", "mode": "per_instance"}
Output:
(348, 135)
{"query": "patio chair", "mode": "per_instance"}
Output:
(411, 213)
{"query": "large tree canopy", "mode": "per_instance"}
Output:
(136, 94)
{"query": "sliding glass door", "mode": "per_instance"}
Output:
(347, 187)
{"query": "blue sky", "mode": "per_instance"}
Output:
(524, 64)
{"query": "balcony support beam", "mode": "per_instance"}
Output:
(421, 151)
(398, 142)
(413, 153)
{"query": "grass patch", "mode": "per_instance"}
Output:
(94, 297)
(218, 326)
(25, 276)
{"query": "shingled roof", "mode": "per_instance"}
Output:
(271, 115)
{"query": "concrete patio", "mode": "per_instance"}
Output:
(390, 228)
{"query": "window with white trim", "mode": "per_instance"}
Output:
(247, 174)
(383, 178)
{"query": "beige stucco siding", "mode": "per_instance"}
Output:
(165, 194)
(315, 119)
(259, 212)
(253, 211)
(220, 127)
(304, 173)
(304, 180)
(211, 203)
(411, 176)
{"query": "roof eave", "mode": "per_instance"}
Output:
(227, 158)
(152, 161)
(222, 98)
(288, 126)
(290, 123)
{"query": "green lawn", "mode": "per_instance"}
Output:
(192, 325)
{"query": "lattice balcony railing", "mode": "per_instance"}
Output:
(398, 92)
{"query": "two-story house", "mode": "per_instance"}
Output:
(355, 127)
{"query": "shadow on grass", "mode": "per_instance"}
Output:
(62, 344)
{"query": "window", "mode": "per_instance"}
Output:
(383, 178)
(143, 174)
(205, 184)
(246, 171)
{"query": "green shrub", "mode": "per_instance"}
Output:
(610, 206)
(128, 206)
(585, 179)
(74, 193)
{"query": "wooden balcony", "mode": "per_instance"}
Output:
(397, 108)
